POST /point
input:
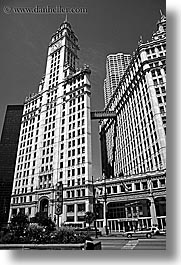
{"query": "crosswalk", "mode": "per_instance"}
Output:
(130, 245)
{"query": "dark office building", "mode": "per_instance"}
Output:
(8, 151)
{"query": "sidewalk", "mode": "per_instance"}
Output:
(111, 236)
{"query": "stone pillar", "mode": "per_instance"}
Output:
(126, 212)
(64, 215)
(87, 206)
(154, 220)
(133, 186)
(137, 214)
(124, 230)
(75, 212)
(104, 215)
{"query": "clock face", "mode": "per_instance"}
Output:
(56, 46)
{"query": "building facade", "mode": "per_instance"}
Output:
(55, 139)
(116, 65)
(134, 142)
(8, 151)
(136, 139)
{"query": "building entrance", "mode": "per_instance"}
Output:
(44, 207)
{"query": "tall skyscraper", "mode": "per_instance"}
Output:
(55, 138)
(136, 140)
(116, 65)
(8, 151)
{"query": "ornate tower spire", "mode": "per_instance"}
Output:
(66, 18)
(162, 15)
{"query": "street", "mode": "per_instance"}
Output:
(122, 243)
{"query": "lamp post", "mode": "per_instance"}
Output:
(105, 205)
(152, 203)
(94, 207)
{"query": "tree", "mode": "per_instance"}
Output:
(20, 220)
(89, 218)
(44, 220)
(19, 224)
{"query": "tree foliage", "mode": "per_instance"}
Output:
(89, 218)
(45, 221)
(19, 221)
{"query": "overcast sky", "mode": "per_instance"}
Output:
(110, 26)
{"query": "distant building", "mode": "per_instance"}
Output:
(8, 151)
(116, 65)
(55, 138)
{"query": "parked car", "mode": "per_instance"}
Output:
(155, 230)
(140, 233)
(163, 232)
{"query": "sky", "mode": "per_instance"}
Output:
(108, 27)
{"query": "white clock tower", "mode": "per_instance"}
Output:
(54, 149)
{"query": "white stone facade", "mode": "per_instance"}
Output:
(55, 137)
(136, 140)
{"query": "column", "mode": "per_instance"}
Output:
(137, 214)
(87, 206)
(154, 220)
(124, 230)
(105, 219)
(75, 212)
(126, 212)
(133, 186)
(64, 215)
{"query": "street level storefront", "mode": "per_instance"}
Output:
(133, 202)
(123, 216)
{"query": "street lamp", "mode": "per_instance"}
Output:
(105, 205)
(94, 208)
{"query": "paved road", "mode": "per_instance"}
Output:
(112, 243)
(151, 244)
(122, 243)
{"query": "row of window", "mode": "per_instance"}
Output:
(32, 104)
(24, 182)
(23, 190)
(75, 193)
(133, 187)
(73, 182)
(75, 172)
(80, 207)
(74, 81)
(72, 118)
(72, 88)
(22, 199)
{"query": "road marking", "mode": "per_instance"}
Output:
(131, 244)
